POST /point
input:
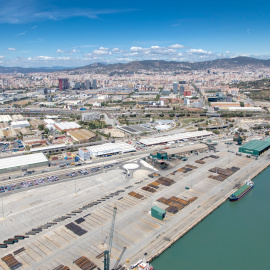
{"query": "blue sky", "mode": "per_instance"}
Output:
(76, 33)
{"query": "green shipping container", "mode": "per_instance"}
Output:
(158, 213)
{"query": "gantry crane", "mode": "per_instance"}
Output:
(107, 253)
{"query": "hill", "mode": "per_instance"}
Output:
(160, 65)
(151, 66)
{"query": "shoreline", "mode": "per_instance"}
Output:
(190, 227)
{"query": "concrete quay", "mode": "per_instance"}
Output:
(134, 227)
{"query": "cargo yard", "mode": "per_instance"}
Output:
(67, 224)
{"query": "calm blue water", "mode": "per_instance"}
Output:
(234, 236)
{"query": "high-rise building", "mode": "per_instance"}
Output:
(77, 85)
(182, 89)
(94, 84)
(175, 87)
(87, 84)
(83, 85)
(63, 84)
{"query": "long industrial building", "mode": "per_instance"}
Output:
(106, 149)
(255, 147)
(175, 137)
(22, 162)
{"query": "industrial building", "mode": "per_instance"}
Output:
(90, 116)
(7, 118)
(175, 137)
(22, 162)
(107, 149)
(84, 153)
(81, 135)
(20, 124)
(9, 133)
(36, 122)
(184, 150)
(65, 126)
(242, 109)
(129, 130)
(255, 147)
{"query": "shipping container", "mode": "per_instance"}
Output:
(158, 213)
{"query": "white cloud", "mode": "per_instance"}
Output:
(11, 49)
(71, 57)
(42, 58)
(116, 50)
(177, 46)
(101, 52)
(136, 49)
(198, 51)
(1, 56)
(21, 34)
(104, 49)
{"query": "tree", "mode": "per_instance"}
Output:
(242, 104)
(41, 127)
(27, 147)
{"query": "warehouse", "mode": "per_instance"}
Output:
(9, 133)
(37, 122)
(184, 150)
(22, 162)
(242, 109)
(81, 135)
(110, 149)
(20, 124)
(255, 147)
(65, 126)
(175, 137)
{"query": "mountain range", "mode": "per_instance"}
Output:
(150, 65)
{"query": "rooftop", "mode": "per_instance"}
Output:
(22, 160)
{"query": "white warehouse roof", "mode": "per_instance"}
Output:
(67, 125)
(5, 118)
(175, 137)
(47, 148)
(20, 123)
(110, 148)
(256, 109)
(22, 160)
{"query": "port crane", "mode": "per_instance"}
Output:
(107, 253)
(119, 259)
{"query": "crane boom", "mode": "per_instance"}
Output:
(107, 253)
(119, 259)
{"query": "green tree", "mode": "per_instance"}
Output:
(242, 104)
(41, 127)
(27, 147)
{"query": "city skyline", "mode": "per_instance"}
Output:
(77, 33)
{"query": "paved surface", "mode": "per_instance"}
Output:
(134, 227)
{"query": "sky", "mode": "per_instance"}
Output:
(68, 33)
